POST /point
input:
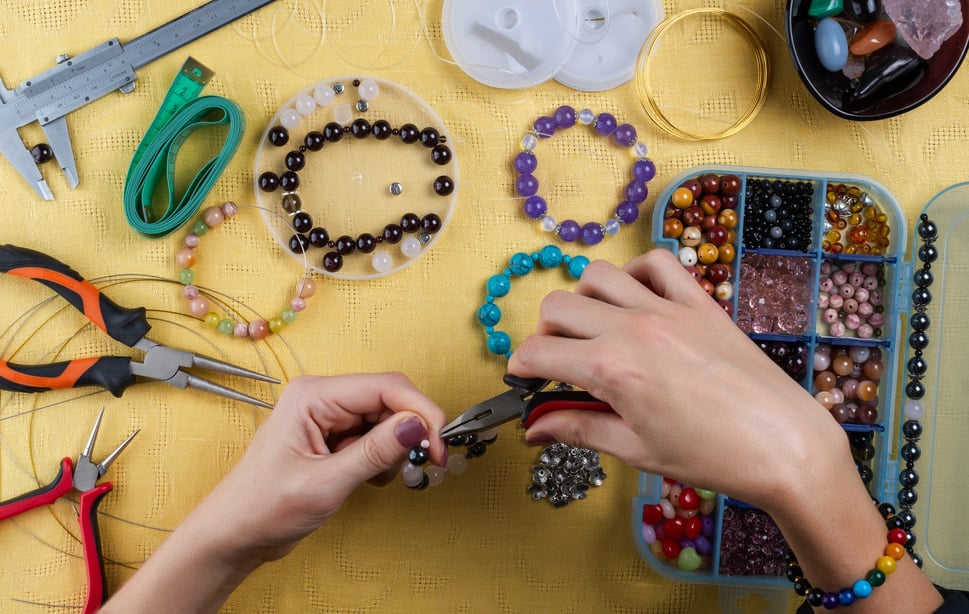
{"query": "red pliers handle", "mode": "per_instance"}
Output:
(90, 536)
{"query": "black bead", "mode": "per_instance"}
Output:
(912, 429)
(894, 523)
(928, 231)
(814, 597)
(356, 82)
(471, 439)
(865, 473)
(441, 154)
(908, 518)
(366, 243)
(314, 140)
(910, 451)
(919, 321)
(429, 137)
(392, 233)
(923, 278)
(909, 478)
(345, 245)
(409, 222)
(801, 587)
(457, 440)
(41, 153)
(295, 160)
(909, 540)
(921, 297)
(298, 243)
(332, 132)
(431, 223)
(915, 389)
(443, 185)
(928, 253)
(319, 237)
(794, 572)
(886, 509)
(918, 340)
(278, 136)
(409, 133)
(916, 559)
(332, 262)
(418, 455)
(268, 181)
(289, 181)
(302, 222)
(382, 129)
(360, 128)
(477, 449)
(907, 497)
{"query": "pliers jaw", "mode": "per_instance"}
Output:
(86, 471)
(499, 409)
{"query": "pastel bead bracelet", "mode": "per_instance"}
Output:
(520, 264)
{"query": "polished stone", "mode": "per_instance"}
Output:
(831, 44)
(873, 37)
(819, 9)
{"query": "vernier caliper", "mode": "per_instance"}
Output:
(76, 81)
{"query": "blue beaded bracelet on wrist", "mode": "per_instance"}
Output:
(521, 264)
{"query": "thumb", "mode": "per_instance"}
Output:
(605, 432)
(383, 448)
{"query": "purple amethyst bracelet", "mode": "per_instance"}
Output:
(634, 194)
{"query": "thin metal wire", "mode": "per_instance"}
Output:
(644, 73)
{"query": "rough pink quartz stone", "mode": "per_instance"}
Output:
(925, 24)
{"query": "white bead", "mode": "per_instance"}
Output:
(323, 95)
(640, 150)
(489, 434)
(586, 116)
(611, 226)
(723, 291)
(435, 475)
(343, 114)
(549, 224)
(457, 463)
(289, 118)
(305, 104)
(687, 256)
(368, 89)
(382, 261)
(412, 474)
(914, 410)
(410, 247)
(529, 142)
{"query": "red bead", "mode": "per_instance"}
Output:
(671, 549)
(652, 514)
(689, 500)
(695, 272)
(674, 528)
(729, 185)
(897, 536)
(694, 186)
(718, 273)
(717, 235)
(710, 183)
(707, 286)
(692, 216)
(710, 203)
(693, 527)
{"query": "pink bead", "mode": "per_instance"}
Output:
(865, 309)
(298, 303)
(837, 329)
(190, 291)
(914, 410)
(830, 315)
(856, 279)
(849, 388)
(258, 329)
(199, 306)
(668, 510)
(865, 331)
(192, 240)
(826, 284)
(213, 217)
(875, 297)
(852, 321)
(186, 257)
(836, 301)
(837, 396)
(229, 209)
(821, 361)
(846, 290)
(869, 268)
(870, 283)
(861, 295)
(305, 287)
(822, 301)
(848, 267)
(876, 319)
(241, 330)
(826, 267)
(850, 305)
(839, 278)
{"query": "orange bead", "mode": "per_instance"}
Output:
(842, 365)
(682, 198)
(866, 390)
(896, 551)
(672, 228)
(728, 219)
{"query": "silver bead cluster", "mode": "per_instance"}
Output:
(565, 473)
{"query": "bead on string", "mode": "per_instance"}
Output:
(200, 306)
(418, 475)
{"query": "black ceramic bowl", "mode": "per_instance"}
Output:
(835, 92)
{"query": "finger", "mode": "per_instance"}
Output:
(602, 431)
(661, 271)
(553, 357)
(568, 314)
(604, 281)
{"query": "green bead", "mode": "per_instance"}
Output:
(875, 577)
(819, 9)
(200, 227)
(226, 326)
(705, 494)
(688, 560)
(186, 276)
(288, 316)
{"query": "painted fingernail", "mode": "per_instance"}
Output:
(410, 432)
(444, 456)
(539, 438)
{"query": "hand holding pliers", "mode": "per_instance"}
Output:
(83, 477)
(129, 326)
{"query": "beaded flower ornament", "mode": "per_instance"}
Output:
(200, 305)
(605, 125)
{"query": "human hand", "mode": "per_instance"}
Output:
(689, 389)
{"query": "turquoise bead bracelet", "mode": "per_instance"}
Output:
(520, 264)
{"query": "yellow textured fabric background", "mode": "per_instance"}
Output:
(477, 543)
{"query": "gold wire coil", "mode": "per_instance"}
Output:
(644, 64)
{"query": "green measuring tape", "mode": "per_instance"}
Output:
(182, 112)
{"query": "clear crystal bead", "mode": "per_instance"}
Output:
(529, 142)
(586, 116)
(549, 224)
(640, 150)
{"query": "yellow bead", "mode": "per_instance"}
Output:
(885, 564)
(851, 249)
(212, 319)
(275, 325)
(854, 219)
(871, 212)
(682, 198)
(728, 219)
(708, 253)
(833, 236)
(727, 253)
(896, 551)
(854, 192)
